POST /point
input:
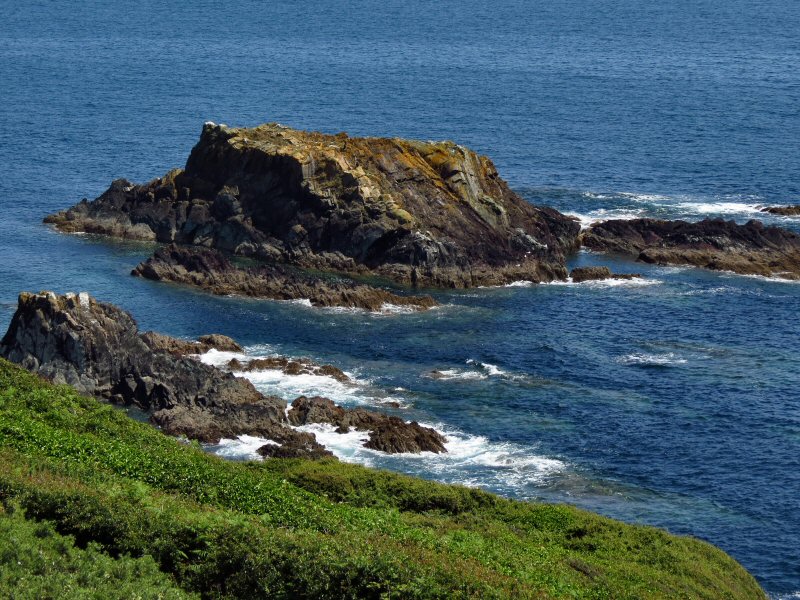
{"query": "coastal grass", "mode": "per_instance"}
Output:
(121, 490)
(38, 563)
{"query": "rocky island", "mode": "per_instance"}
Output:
(418, 213)
(750, 249)
(97, 349)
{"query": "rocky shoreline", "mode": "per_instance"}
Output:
(750, 249)
(96, 348)
(210, 270)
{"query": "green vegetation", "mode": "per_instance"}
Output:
(38, 563)
(297, 529)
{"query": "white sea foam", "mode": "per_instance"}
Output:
(774, 279)
(720, 208)
(301, 302)
(385, 309)
(244, 447)
(479, 371)
(489, 369)
(606, 283)
(520, 283)
(397, 309)
(627, 196)
(669, 359)
(603, 214)
(722, 289)
(469, 460)
(644, 197)
(217, 358)
(460, 374)
(275, 382)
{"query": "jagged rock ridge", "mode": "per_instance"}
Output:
(422, 213)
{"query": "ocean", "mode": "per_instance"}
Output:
(672, 401)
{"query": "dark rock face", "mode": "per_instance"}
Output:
(750, 249)
(421, 213)
(386, 433)
(581, 274)
(96, 348)
(786, 211)
(212, 271)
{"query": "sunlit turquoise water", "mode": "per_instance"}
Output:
(673, 403)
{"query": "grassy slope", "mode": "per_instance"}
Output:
(37, 563)
(318, 529)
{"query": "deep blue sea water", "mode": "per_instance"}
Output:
(674, 403)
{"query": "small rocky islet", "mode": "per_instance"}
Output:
(784, 211)
(423, 214)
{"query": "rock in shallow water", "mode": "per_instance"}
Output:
(386, 433)
(785, 211)
(420, 213)
(213, 272)
(165, 343)
(750, 249)
(581, 274)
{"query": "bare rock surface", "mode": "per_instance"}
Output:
(421, 213)
(750, 249)
(213, 272)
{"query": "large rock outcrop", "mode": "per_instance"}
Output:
(97, 348)
(421, 213)
(750, 249)
(213, 272)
